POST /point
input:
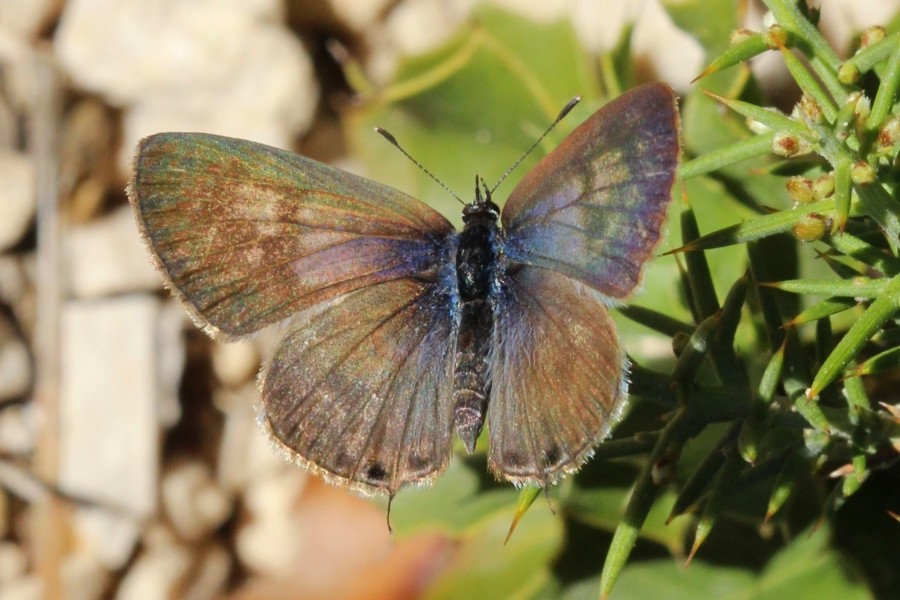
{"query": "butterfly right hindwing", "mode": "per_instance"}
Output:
(557, 377)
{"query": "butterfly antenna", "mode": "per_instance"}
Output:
(562, 114)
(390, 502)
(397, 145)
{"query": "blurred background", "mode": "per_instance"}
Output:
(131, 465)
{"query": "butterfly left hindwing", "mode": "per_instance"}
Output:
(361, 391)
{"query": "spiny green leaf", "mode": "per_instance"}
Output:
(752, 45)
(770, 117)
(881, 309)
(823, 309)
(880, 363)
(755, 229)
(752, 147)
(866, 58)
(858, 287)
(887, 91)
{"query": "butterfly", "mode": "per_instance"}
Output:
(400, 329)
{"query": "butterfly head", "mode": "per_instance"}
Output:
(483, 208)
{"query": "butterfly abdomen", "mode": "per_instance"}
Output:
(476, 267)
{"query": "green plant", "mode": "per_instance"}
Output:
(779, 403)
(808, 408)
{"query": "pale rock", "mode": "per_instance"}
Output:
(109, 533)
(245, 452)
(359, 15)
(422, 25)
(270, 97)
(210, 576)
(412, 28)
(672, 55)
(16, 275)
(17, 430)
(193, 501)
(15, 363)
(205, 65)
(13, 562)
(125, 48)
(27, 587)
(158, 572)
(109, 421)
(599, 26)
(841, 20)
(768, 68)
(235, 363)
(158, 535)
(25, 17)
(107, 256)
(83, 577)
(17, 196)
(171, 355)
(272, 540)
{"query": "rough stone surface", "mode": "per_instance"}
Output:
(15, 362)
(17, 196)
(157, 573)
(271, 542)
(210, 575)
(359, 14)
(678, 61)
(83, 577)
(27, 587)
(17, 430)
(235, 363)
(24, 17)
(228, 68)
(245, 453)
(109, 436)
(193, 501)
(107, 256)
(13, 562)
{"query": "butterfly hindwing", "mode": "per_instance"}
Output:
(270, 233)
(361, 391)
(593, 208)
(557, 377)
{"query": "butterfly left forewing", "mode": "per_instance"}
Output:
(557, 377)
(246, 235)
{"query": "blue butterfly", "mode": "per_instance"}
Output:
(401, 329)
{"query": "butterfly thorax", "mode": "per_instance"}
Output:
(477, 266)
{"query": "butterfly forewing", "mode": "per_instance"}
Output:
(593, 208)
(270, 233)
(361, 390)
(557, 377)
